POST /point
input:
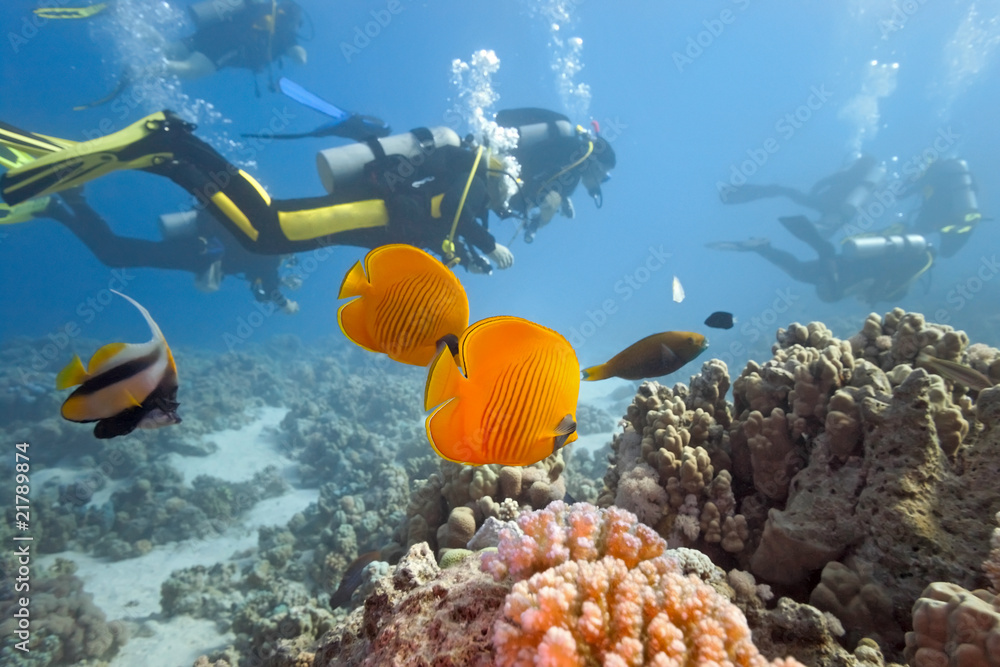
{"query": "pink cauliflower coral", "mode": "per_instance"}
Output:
(595, 588)
(604, 613)
(561, 533)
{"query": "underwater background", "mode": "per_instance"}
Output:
(688, 94)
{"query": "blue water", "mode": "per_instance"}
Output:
(681, 127)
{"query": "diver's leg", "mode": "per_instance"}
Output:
(798, 270)
(118, 251)
(804, 230)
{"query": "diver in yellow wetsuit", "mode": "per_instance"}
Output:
(435, 202)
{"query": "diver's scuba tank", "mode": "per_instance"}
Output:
(344, 166)
(954, 182)
(178, 225)
(872, 247)
(210, 12)
(859, 195)
(538, 132)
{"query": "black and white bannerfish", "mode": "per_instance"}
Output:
(125, 386)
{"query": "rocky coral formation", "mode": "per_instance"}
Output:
(419, 615)
(671, 463)
(65, 625)
(953, 626)
(837, 452)
(455, 501)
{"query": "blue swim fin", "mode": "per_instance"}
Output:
(345, 124)
(303, 96)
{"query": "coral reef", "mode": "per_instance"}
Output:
(953, 626)
(836, 457)
(65, 625)
(419, 615)
(456, 500)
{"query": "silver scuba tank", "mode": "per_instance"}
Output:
(859, 195)
(872, 247)
(342, 167)
(962, 189)
(536, 132)
(210, 12)
(178, 225)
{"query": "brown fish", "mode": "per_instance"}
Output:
(653, 356)
(955, 372)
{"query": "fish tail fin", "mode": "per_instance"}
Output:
(595, 373)
(443, 380)
(72, 375)
(355, 282)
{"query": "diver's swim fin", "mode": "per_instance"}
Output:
(140, 145)
(345, 124)
(29, 210)
(124, 81)
(70, 12)
(35, 145)
(12, 157)
(303, 96)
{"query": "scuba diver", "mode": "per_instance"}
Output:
(874, 268)
(949, 205)
(837, 197)
(248, 34)
(555, 157)
(422, 187)
(192, 241)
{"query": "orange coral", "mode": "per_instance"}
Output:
(604, 613)
(580, 532)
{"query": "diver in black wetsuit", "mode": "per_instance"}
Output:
(193, 241)
(949, 204)
(837, 197)
(250, 34)
(555, 158)
(872, 268)
(440, 204)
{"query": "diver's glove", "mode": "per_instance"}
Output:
(501, 256)
(290, 307)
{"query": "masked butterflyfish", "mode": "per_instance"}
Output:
(407, 302)
(508, 396)
(124, 386)
(653, 356)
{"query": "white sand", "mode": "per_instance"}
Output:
(130, 589)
